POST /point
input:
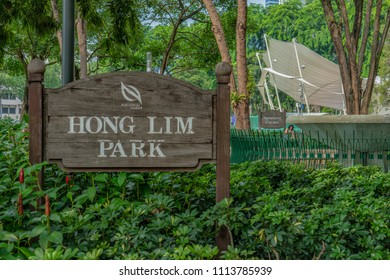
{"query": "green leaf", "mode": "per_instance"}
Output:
(26, 252)
(91, 192)
(81, 199)
(5, 249)
(44, 240)
(37, 231)
(56, 237)
(69, 195)
(24, 234)
(55, 217)
(7, 236)
(53, 192)
(34, 168)
(26, 192)
(103, 177)
(121, 179)
(136, 177)
(39, 253)
(69, 253)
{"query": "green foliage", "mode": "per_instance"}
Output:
(280, 20)
(381, 94)
(277, 210)
(11, 85)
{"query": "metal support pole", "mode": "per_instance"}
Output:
(272, 75)
(68, 21)
(343, 99)
(269, 101)
(300, 67)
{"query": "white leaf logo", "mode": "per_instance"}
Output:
(130, 93)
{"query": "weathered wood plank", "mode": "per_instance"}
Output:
(157, 94)
(153, 104)
(87, 155)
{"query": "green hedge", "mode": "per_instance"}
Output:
(277, 210)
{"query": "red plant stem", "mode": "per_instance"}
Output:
(20, 204)
(47, 206)
(21, 176)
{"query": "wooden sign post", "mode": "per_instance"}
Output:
(223, 147)
(36, 70)
(131, 121)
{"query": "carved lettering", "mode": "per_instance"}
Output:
(184, 128)
(133, 148)
(105, 125)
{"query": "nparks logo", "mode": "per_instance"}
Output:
(132, 95)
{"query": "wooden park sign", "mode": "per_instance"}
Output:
(125, 121)
(131, 121)
(128, 121)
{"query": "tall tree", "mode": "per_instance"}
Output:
(242, 109)
(83, 11)
(57, 19)
(220, 38)
(82, 42)
(28, 36)
(356, 40)
(111, 24)
(175, 14)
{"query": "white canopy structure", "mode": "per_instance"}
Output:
(302, 74)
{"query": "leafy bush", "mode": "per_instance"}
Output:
(277, 210)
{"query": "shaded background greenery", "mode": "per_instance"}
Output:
(120, 33)
(276, 211)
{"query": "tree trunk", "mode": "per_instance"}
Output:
(56, 16)
(335, 32)
(220, 39)
(242, 111)
(169, 47)
(377, 48)
(351, 51)
(82, 38)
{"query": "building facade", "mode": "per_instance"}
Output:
(272, 2)
(11, 107)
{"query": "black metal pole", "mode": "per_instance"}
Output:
(68, 19)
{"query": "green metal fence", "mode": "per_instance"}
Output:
(308, 149)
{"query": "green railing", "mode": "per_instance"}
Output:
(309, 149)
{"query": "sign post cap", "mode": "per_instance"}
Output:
(223, 69)
(36, 66)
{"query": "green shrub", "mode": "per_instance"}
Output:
(277, 210)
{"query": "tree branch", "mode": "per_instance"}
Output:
(385, 31)
(344, 16)
(375, 56)
(357, 24)
(366, 32)
(335, 31)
